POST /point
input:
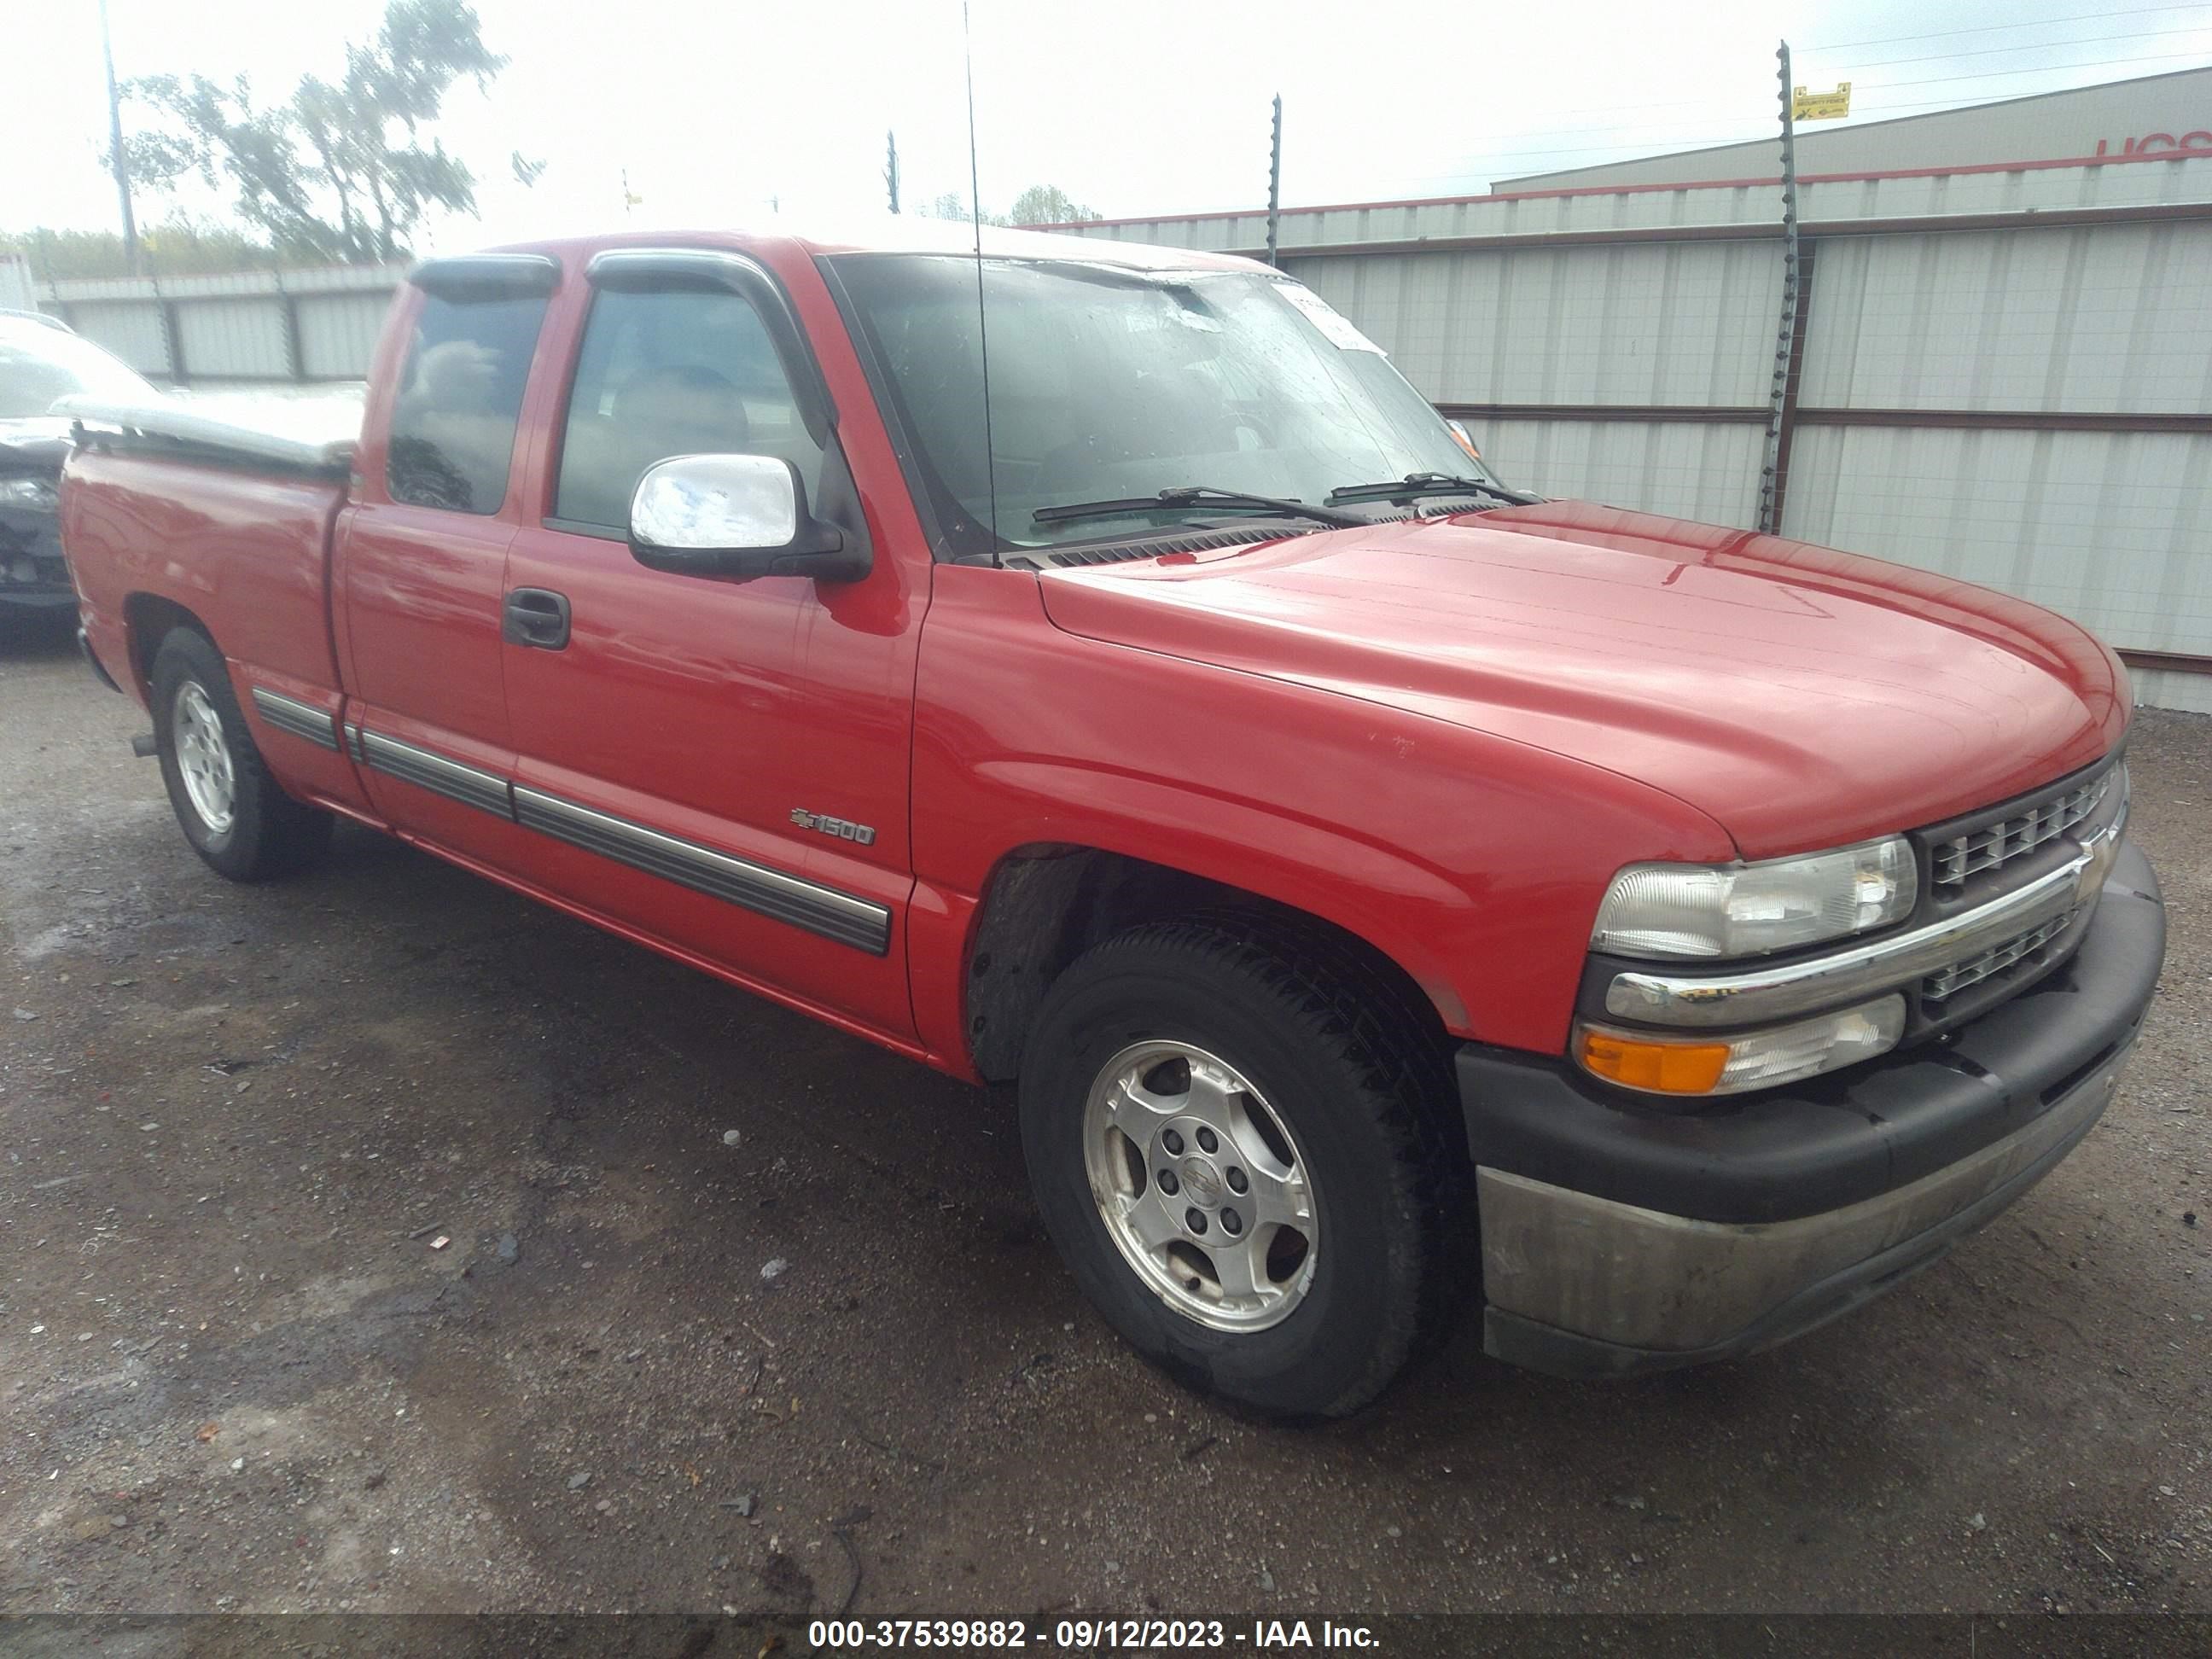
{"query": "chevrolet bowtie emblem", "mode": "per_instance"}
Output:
(861, 834)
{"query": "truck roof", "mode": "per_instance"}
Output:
(885, 232)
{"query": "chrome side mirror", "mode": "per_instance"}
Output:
(734, 515)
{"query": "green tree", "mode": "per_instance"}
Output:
(340, 170)
(1047, 204)
(1040, 204)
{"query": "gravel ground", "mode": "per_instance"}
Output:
(380, 1241)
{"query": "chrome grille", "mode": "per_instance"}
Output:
(1994, 844)
(1995, 960)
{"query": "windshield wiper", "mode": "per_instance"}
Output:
(1415, 485)
(1192, 495)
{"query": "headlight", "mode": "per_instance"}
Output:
(38, 493)
(1751, 909)
(1654, 1064)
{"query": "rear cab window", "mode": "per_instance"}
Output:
(460, 400)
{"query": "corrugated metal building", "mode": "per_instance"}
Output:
(2003, 370)
(2152, 111)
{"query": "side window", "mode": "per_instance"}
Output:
(460, 396)
(676, 372)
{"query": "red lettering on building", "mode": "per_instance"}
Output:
(2159, 144)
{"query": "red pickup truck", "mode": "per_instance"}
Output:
(1094, 667)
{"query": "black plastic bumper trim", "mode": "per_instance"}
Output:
(1839, 1140)
(92, 661)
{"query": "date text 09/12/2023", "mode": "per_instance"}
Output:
(1090, 1635)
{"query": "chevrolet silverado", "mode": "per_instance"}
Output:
(1094, 668)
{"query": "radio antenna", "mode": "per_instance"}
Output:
(983, 331)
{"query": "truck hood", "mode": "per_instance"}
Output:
(1799, 696)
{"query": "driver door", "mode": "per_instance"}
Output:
(680, 737)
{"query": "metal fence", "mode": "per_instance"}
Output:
(2003, 374)
(288, 326)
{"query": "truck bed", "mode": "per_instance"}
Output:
(161, 506)
(164, 426)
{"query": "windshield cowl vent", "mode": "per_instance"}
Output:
(1150, 547)
(1445, 511)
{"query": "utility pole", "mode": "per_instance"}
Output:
(1275, 180)
(891, 167)
(1779, 395)
(115, 146)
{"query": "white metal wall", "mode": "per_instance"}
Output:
(16, 291)
(131, 329)
(238, 327)
(337, 333)
(1686, 469)
(2110, 528)
(2091, 319)
(234, 339)
(1628, 323)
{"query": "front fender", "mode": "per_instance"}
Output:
(1476, 864)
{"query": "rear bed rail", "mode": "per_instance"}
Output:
(162, 428)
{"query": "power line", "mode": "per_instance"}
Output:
(1985, 28)
(2038, 45)
(2175, 58)
(1940, 104)
(1676, 141)
(1627, 149)
(1706, 104)
(2049, 69)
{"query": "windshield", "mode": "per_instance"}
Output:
(39, 364)
(1107, 382)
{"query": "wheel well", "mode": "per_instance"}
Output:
(150, 617)
(1045, 905)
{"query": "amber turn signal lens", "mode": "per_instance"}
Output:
(1672, 1068)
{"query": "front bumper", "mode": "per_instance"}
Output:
(1617, 1238)
(42, 598)
(33, 539)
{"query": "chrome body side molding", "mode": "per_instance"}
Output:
(300, 719)
(425, 770)
(861, 923)
(836, 915)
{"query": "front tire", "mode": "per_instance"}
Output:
(1240, 1147)
(231, 810)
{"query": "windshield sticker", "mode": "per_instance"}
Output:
(1331, 322)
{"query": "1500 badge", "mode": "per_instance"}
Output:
(861, 834)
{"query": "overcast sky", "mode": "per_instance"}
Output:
(1132, 107)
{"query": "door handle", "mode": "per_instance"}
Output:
(535, 617)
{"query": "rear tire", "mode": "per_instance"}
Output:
(233, 813)
(1240, 1148)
